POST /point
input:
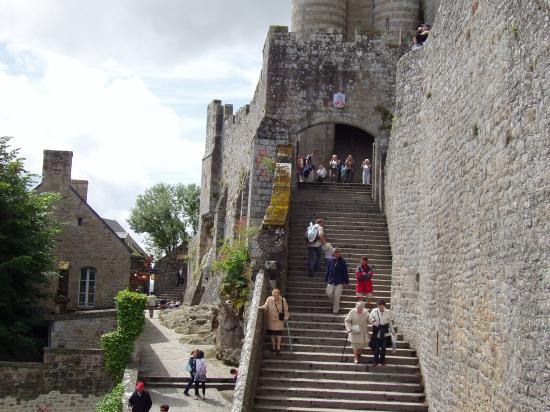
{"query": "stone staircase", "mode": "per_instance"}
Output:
(313, 378)
(175, 293)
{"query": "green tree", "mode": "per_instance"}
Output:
(167, 214)
(27, 242)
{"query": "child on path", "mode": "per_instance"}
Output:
(200, 374)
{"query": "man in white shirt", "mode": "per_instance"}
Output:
(314, 249)
(382, 329)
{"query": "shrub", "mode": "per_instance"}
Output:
(118, 344)
(234, 262)
(112, 401)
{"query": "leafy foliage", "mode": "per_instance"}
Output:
(27, 241)
(112, 401)
(167, 214)
(234, 262)
(118, 345)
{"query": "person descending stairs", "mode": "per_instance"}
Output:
(313, 378)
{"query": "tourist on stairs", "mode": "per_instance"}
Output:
(366, 171)
(314, 239)
(357, 325)
(382, 330)
(276, 310)
(191, 368)
(333, 169)
(336, 277)
(349, 169)
(363, 275)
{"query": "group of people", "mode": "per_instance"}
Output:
(163, 303)
(336, 277)
(421, 36)
(339, 171)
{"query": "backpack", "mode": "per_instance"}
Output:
(201, 369)
(189, 366)
(312, 233)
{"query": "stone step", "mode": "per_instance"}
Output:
(221, 384)
(359, 374)
(320, 365)
(340, 393)
(345, 307)
(335, 357)
(338, 383)
(403, 349)
(327, 404)
(347, 299)
(320, 213)
(317, 287)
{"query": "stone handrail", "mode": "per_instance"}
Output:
(251, 353)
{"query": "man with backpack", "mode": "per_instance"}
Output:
(315, 239)
(336, 277)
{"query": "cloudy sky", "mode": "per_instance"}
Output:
(124, 84)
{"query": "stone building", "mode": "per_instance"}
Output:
(94, 261)
(458, 133)
(336, 48)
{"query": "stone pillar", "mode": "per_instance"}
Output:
(309, 16)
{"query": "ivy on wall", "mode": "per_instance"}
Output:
(118, 344)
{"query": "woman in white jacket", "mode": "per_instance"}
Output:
(357, 323)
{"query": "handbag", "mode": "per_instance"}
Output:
(281, 314)
(355, 329)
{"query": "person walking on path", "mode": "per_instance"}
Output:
(140, 401)
(276, 311)
(363, 275)
(200, 374)
(336, 277)
(191, 368)
(382, 330)
(151, 304)
(315, 239)
(366, 171)
(357, 325)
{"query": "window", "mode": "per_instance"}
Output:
(80, 221)
(86, 295)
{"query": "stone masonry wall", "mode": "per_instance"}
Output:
(54, 401)
(64, 375)
(81, 330)
(467, 192)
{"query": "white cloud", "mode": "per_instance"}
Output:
(125, 84)
(118, 130)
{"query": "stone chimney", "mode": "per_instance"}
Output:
(81, 187)
(56, 170)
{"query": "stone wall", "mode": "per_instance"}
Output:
(168, 268)
(56, 383)
(54, 401)
(81, 330)
(467, 190)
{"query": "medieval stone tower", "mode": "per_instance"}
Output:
(393, 18)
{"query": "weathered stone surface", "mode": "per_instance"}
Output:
(468, 186)
(54, 401)
(197, 324)
(69, 371)
(81, 330)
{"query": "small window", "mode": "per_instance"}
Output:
(80, 221)
(86, 294)
(387, 24)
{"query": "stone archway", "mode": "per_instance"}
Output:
(325, 139)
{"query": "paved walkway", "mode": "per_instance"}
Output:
(163, 355)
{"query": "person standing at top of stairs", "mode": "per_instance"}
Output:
(315, 239)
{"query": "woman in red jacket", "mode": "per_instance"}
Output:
(364, 274)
